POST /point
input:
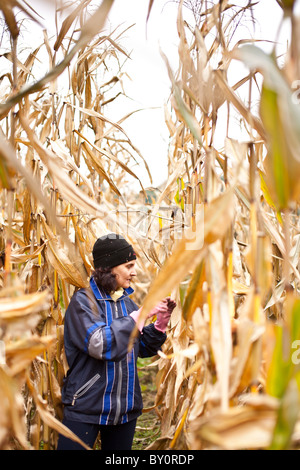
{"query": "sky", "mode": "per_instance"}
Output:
(149, 86)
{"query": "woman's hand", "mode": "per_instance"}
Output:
(162, 311)
(164, 315)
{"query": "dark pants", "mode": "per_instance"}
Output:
(118, 437)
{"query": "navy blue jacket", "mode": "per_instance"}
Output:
(102, 384)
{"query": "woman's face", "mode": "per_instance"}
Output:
(124, 274)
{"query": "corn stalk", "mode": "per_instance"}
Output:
(64, 166)
(221, 236)
(228, 374)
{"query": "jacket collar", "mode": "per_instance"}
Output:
(100, 294)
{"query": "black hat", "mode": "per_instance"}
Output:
(111, 250)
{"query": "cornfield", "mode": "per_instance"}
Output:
(221, 236)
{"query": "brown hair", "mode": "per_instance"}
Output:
(105, 279)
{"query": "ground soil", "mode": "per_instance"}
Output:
(148, 424)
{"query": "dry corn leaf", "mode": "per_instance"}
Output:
(91, 112)
(71, 269)
(281, 119)
(67, 23)
(18, 256)
(221, 339)
(88, 31)
(12, 421)
(67, 162)
(111, 157)
(233, 98)
(195, 296)
(20, 353)
(94, 162)
(12, 308)
(6, 6)
(151, 2)
(8, 153)
(65, 184)
(191, 249)
(240, 428)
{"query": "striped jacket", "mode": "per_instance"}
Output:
(102, 384)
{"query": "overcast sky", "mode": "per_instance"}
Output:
(149, 85)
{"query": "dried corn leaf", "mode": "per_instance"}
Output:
(8, 153)
(88, 31)
(189, 251)
(151, 2)
(6, 6)
(70, 267)
(65, 184)
(19, 354)
(240, 428)
(111, 157)
(67, 163)
(94, 163)
(281, 119)
(13, 308)
(67, 23)
(195, 296)
(91, 112)
(11, 412)
(233, 98)
(18, 256)
(221, 340)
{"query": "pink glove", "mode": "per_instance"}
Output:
(163, 316)
(161, 307)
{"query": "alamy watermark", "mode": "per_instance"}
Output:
(296, 353)
(160, 223)
(296, 92)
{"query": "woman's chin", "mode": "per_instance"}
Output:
(125, 285)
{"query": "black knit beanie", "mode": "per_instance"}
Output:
(111, 250)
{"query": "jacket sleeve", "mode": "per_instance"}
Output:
(94, 337)
(151, 341)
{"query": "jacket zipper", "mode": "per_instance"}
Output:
(82, 390)
(120, 380)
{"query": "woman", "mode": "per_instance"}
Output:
(101, 391)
